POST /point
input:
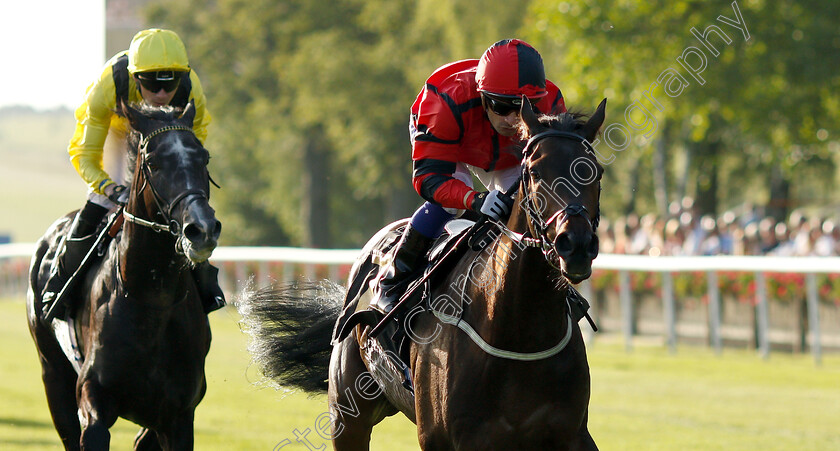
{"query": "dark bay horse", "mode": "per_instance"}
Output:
(139, 331)
(496, 361)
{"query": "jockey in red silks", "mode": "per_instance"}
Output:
(464, 123)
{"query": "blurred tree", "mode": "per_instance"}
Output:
(764, 103)
(311, 104)
(311, 100)
(278, 78)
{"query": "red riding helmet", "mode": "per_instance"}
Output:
(511, 68)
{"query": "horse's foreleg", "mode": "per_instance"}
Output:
(179, 435)
(61, 397)
(585, 441)
(354, 406)
(146, 440)
(97, 413)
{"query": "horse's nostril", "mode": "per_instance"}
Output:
(192, 231)
(563, 244)
(594, 246)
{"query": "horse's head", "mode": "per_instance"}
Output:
(171, 182)
(561, 185)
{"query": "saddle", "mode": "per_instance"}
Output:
(357, 308)
(108, 227)
(387, 353)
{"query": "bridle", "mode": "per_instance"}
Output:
(164, 208)
(540, 227)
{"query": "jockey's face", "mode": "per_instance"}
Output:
(160, 98)
(504, 125)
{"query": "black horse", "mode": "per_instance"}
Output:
(495, 360)
(134, 345)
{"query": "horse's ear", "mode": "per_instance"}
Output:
(528, 117)
(590, 129)
(188, 115)
(133, 115)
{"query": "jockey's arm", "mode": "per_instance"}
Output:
(202, 115)
(435, 182)
(93, 119)
(435, 142)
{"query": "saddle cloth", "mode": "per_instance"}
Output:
(371, 271)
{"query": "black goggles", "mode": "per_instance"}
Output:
(504, 105)
(155, 81)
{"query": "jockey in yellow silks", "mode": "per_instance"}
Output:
(155, 70)
(151, 52)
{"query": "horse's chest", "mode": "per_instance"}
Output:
(154, 374)
(543, 426)
(546, 427)
(152, 394)
(151, 372)
(488, 406)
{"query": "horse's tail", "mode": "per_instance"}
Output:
(291, 328)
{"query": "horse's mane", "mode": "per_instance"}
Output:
(570, 121)
(164, 114)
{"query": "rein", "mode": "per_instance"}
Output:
(157, 227)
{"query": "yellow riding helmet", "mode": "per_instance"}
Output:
(155, 49)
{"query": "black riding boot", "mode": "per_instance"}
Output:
(411, 251)
(207, 280)
(70, 255)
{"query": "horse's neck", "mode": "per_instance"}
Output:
(149, 263)
(524, 300)
(525, 281)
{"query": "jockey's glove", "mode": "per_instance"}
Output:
(494, 204)
(117, 194)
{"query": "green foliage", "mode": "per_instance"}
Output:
(770, 99)
(335, 79)
(340, 76)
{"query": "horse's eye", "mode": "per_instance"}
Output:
(152, 165)
(535, 175)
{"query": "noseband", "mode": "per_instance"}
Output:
(164, 208)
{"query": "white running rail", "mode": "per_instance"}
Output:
(256, 263)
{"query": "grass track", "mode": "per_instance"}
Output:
(234, 415)
(645, 400)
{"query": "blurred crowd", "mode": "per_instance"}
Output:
(683, 232)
